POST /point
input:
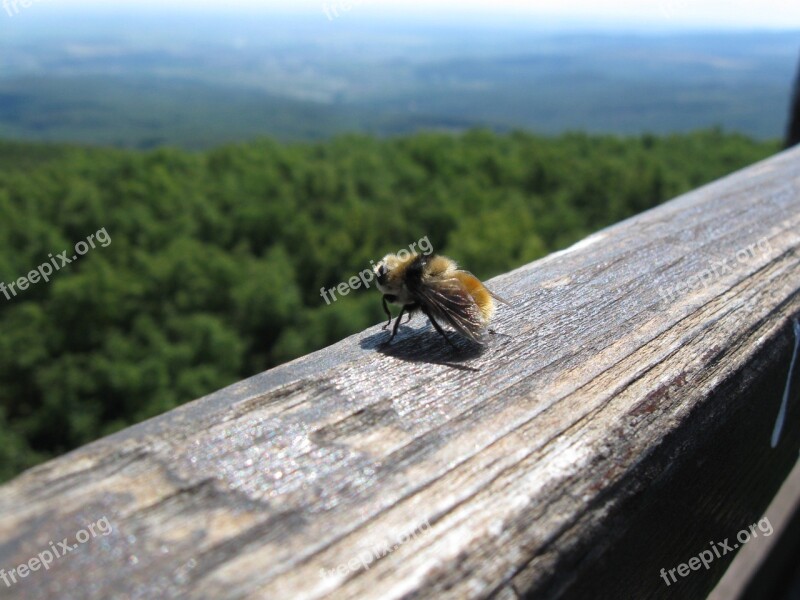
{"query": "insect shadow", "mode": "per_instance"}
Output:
(425, 345)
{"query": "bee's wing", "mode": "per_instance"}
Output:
(449, 301)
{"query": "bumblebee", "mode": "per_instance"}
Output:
(435, 286)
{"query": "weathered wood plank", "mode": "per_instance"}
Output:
(613, 430)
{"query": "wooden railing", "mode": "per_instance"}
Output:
(618, 424)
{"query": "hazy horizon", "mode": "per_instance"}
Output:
(147, 76)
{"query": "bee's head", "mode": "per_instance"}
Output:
(389, 273)
(381, 272)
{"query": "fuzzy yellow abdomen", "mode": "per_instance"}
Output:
(479, 293)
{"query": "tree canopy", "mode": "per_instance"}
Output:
(215, 260)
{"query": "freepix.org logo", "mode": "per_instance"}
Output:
(56, 550)
(366, 276)
(715, 270)
(45, 270)
(365, 558)
(720, 549)
(12, 6)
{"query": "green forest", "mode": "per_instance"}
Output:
(195, 270)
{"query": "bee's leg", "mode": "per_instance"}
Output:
(410, 309)
(386, 310)
(438, 328)
(396, 325)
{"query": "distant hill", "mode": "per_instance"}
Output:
(200, 82)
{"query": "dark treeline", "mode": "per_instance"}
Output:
(215, 261)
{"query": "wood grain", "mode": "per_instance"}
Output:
(608, 430)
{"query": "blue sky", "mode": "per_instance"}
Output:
(657, 13)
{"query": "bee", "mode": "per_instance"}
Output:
(435, 286)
